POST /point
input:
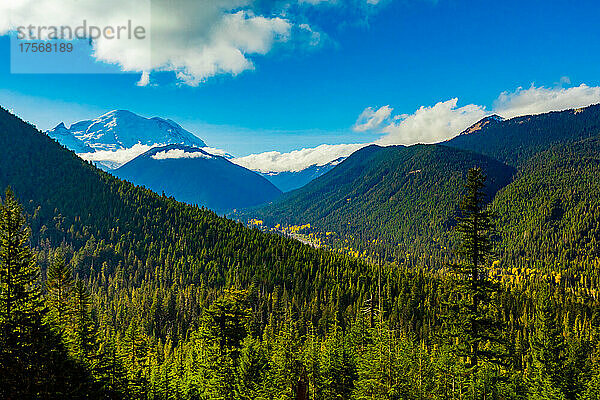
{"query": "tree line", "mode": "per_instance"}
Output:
(357, 331)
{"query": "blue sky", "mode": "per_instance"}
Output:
(405, 54)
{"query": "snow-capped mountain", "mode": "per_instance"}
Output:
(119, 136)
(121, 129)
(66, 138)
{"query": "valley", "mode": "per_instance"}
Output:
(362, 264)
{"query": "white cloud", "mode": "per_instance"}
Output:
(371, 119)
(196, 39)
(113, 159)
(297, 160)
(144, 79)
(444, 120)
(428, 124)
(431, 124)
(178, 154)
(217, 152)
(538, 100)
(314, 36)
(116, 158)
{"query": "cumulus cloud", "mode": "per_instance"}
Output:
(371, 119)
(446, 119)
(538, 100)
(195, 39)
(179, 153)
(297, 160)
(431, 124)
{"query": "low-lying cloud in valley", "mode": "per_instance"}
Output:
(115, 158)
(297, 160)
(176, 154)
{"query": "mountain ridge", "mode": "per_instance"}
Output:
(363, 198)
(287, 181)
(194, 176)
(515, 140)
(122, 129)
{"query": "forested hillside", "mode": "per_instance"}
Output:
(515, 140)
(130, 237)
(550, 215)
(406, 198)
(108, 290)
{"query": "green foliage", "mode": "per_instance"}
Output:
(20, 306)
(470, 319)
(149, 298)
(405, 198)
(549, 216)
(33, 360)
(59, 287)
(516, 140)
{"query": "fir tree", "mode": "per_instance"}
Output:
(59, 286)
(470, 324)
(20, 303)
(83, 329)
(549, 353)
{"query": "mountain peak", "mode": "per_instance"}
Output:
(118, 112)
(490, 119)
(122, 129)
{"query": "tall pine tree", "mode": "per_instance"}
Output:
(59, 287)
(470, 323)
(20, 301)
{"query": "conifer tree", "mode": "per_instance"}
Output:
(33, 360)
(59, 287)
(225, 328)
(83, 329)
(20, 302)
(469, 322)
(549, 349)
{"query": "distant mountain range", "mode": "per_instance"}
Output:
(118, 136)
(290, 180)
(194, 176)
(543, 182)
